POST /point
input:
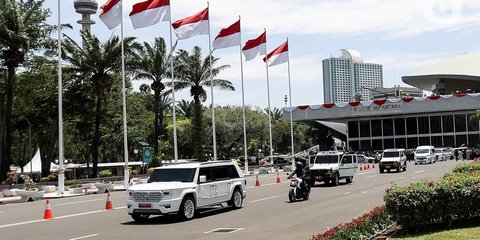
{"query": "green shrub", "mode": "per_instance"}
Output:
(452, 199)
(365, 226)
(105, 173)
(44, 179)
(74, 183)
(150, 170)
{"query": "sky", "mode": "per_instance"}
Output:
(402, 35)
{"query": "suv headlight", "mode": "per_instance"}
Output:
(167, 194)
(130, 195)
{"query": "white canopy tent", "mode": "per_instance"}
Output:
(35, 165)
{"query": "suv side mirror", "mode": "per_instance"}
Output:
(203, 179)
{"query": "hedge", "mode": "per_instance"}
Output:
(366, 226)
(451, 200)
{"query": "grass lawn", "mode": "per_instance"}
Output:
(456, 234)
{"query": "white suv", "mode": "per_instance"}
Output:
(184, 188)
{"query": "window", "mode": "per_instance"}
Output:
(377, 144)
(461, 139)
(449, 141)
(399, 126)
(221, 173)
(423, 125)
(424, 141)
(376, 128)
(354, 145)
(412, 142)
(447, 123)
(364, 129)
(347, 159)
(388, 143)
(233, 172)
(326, 159)
(411, 126)
(172, 175)
(473, 140)
(353, 129)
(365, 145)
(400, 143)
(207, 172)
(437, 141)
(436, 124)
(472, 122)
(460, 123)
(387, 127)
(391, 154)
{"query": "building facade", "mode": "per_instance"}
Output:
(348, 77)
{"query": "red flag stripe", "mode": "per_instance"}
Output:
(201, 16)
(255, 42)
(108, 5)
(282, 48)
(232, 29)
(150, 4)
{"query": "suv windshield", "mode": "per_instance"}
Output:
(437, 151)
(172, 175)
(390, 154)
(327, 159)
(422, 151)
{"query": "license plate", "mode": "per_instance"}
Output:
(387, 166)
(318, 177)
(145, 205)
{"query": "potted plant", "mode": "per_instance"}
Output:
(74, 187)
(30, 190)
(11, 176)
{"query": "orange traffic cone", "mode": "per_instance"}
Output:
(257, 183)
(48, 211)
(368, 166)
(361, 167)
(108, 205)
(278, 178)
(373, 165)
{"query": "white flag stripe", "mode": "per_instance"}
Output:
(227, 41)
(150, 17)
(255, 52)
(112, 18)
(192, 29)
(278, 59)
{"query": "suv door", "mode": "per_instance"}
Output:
(223, 183)
(347, 167)
(206, 193)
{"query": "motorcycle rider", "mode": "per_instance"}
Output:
(302, 170)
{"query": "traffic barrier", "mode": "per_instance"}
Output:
(108, 205)
(278, 178)
(48, 211)
(257, 182)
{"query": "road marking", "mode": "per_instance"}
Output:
(363, 192)
(401, 178)
(250, 187)
(347, 193)
(70, 203)
(419, 171)
(91, 235)
(2, 212)
(364, 173)
(371, 176)
(21, 223)
(263, 199)
(232, 230)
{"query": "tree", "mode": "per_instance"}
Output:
(185, 108)
(193, 73)
(153, 64)
(23, 30)
(96, 62)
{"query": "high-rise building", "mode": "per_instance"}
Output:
(348, 78)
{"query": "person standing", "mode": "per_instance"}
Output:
(456, 154)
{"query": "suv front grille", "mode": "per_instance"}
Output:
(320, 172)
(147, 196)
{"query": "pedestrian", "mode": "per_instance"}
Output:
(456, 154)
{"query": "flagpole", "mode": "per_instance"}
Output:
(175, 149)
(61, 171)
(291, 114)
(211, 87)
(269, 109)
(124, 101)
(243, 107)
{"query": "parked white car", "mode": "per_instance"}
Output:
(424, 154)
(393, 159)
(440, 154)
(184, 188)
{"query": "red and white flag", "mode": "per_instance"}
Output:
(255, 47)
(192, 26)
(228, 37)
(111, 14)
(150, 12)
(278, 56)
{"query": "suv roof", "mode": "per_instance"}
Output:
(196, 164)
(394, 150)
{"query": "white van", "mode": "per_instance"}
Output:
(424, 154)
(393, 159)
(331, 166)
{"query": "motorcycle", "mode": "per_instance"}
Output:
(296, 192)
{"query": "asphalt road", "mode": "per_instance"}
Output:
(266, 214)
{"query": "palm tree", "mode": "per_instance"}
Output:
(23, 30)
(153, 64)
(193, 72)
(275, 113)
(97, 62)
(186, 108)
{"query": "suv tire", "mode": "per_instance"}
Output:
(187, 208)
(335, 180)
(381, 170)
(405, 167)
(349, 179)
(140, 218)
(237, 200)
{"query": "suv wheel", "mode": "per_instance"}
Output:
(381, 170)
(187, 208)
(405, 167)
(141, 218)
(349, 179)
(236, 200)
(335, 180)
(399, 168)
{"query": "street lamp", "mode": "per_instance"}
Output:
(30, 146)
